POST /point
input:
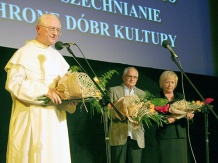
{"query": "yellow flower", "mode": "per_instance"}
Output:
(198, 102)
(152, 110)
(98, 94)
(151, 106)
(96, 79)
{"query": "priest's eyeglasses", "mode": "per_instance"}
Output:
(53, 29)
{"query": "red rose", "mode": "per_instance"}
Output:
(208, 100)
(162, 109)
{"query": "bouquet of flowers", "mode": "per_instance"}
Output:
(179, 109)
(79, 87)
(145, 109)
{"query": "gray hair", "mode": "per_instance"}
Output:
(127, 69)
(43, 19)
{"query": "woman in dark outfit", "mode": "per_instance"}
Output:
(172, 142)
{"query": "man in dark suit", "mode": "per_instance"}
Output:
(126, 142)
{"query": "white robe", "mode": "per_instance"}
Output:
(36, 134)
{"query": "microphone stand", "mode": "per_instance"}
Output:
(104, 102)
(209, 108)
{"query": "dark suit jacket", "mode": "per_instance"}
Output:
(118, 131)
(175, 130)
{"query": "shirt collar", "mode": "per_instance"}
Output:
(128, 91)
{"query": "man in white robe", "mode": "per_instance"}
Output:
(38, 134)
